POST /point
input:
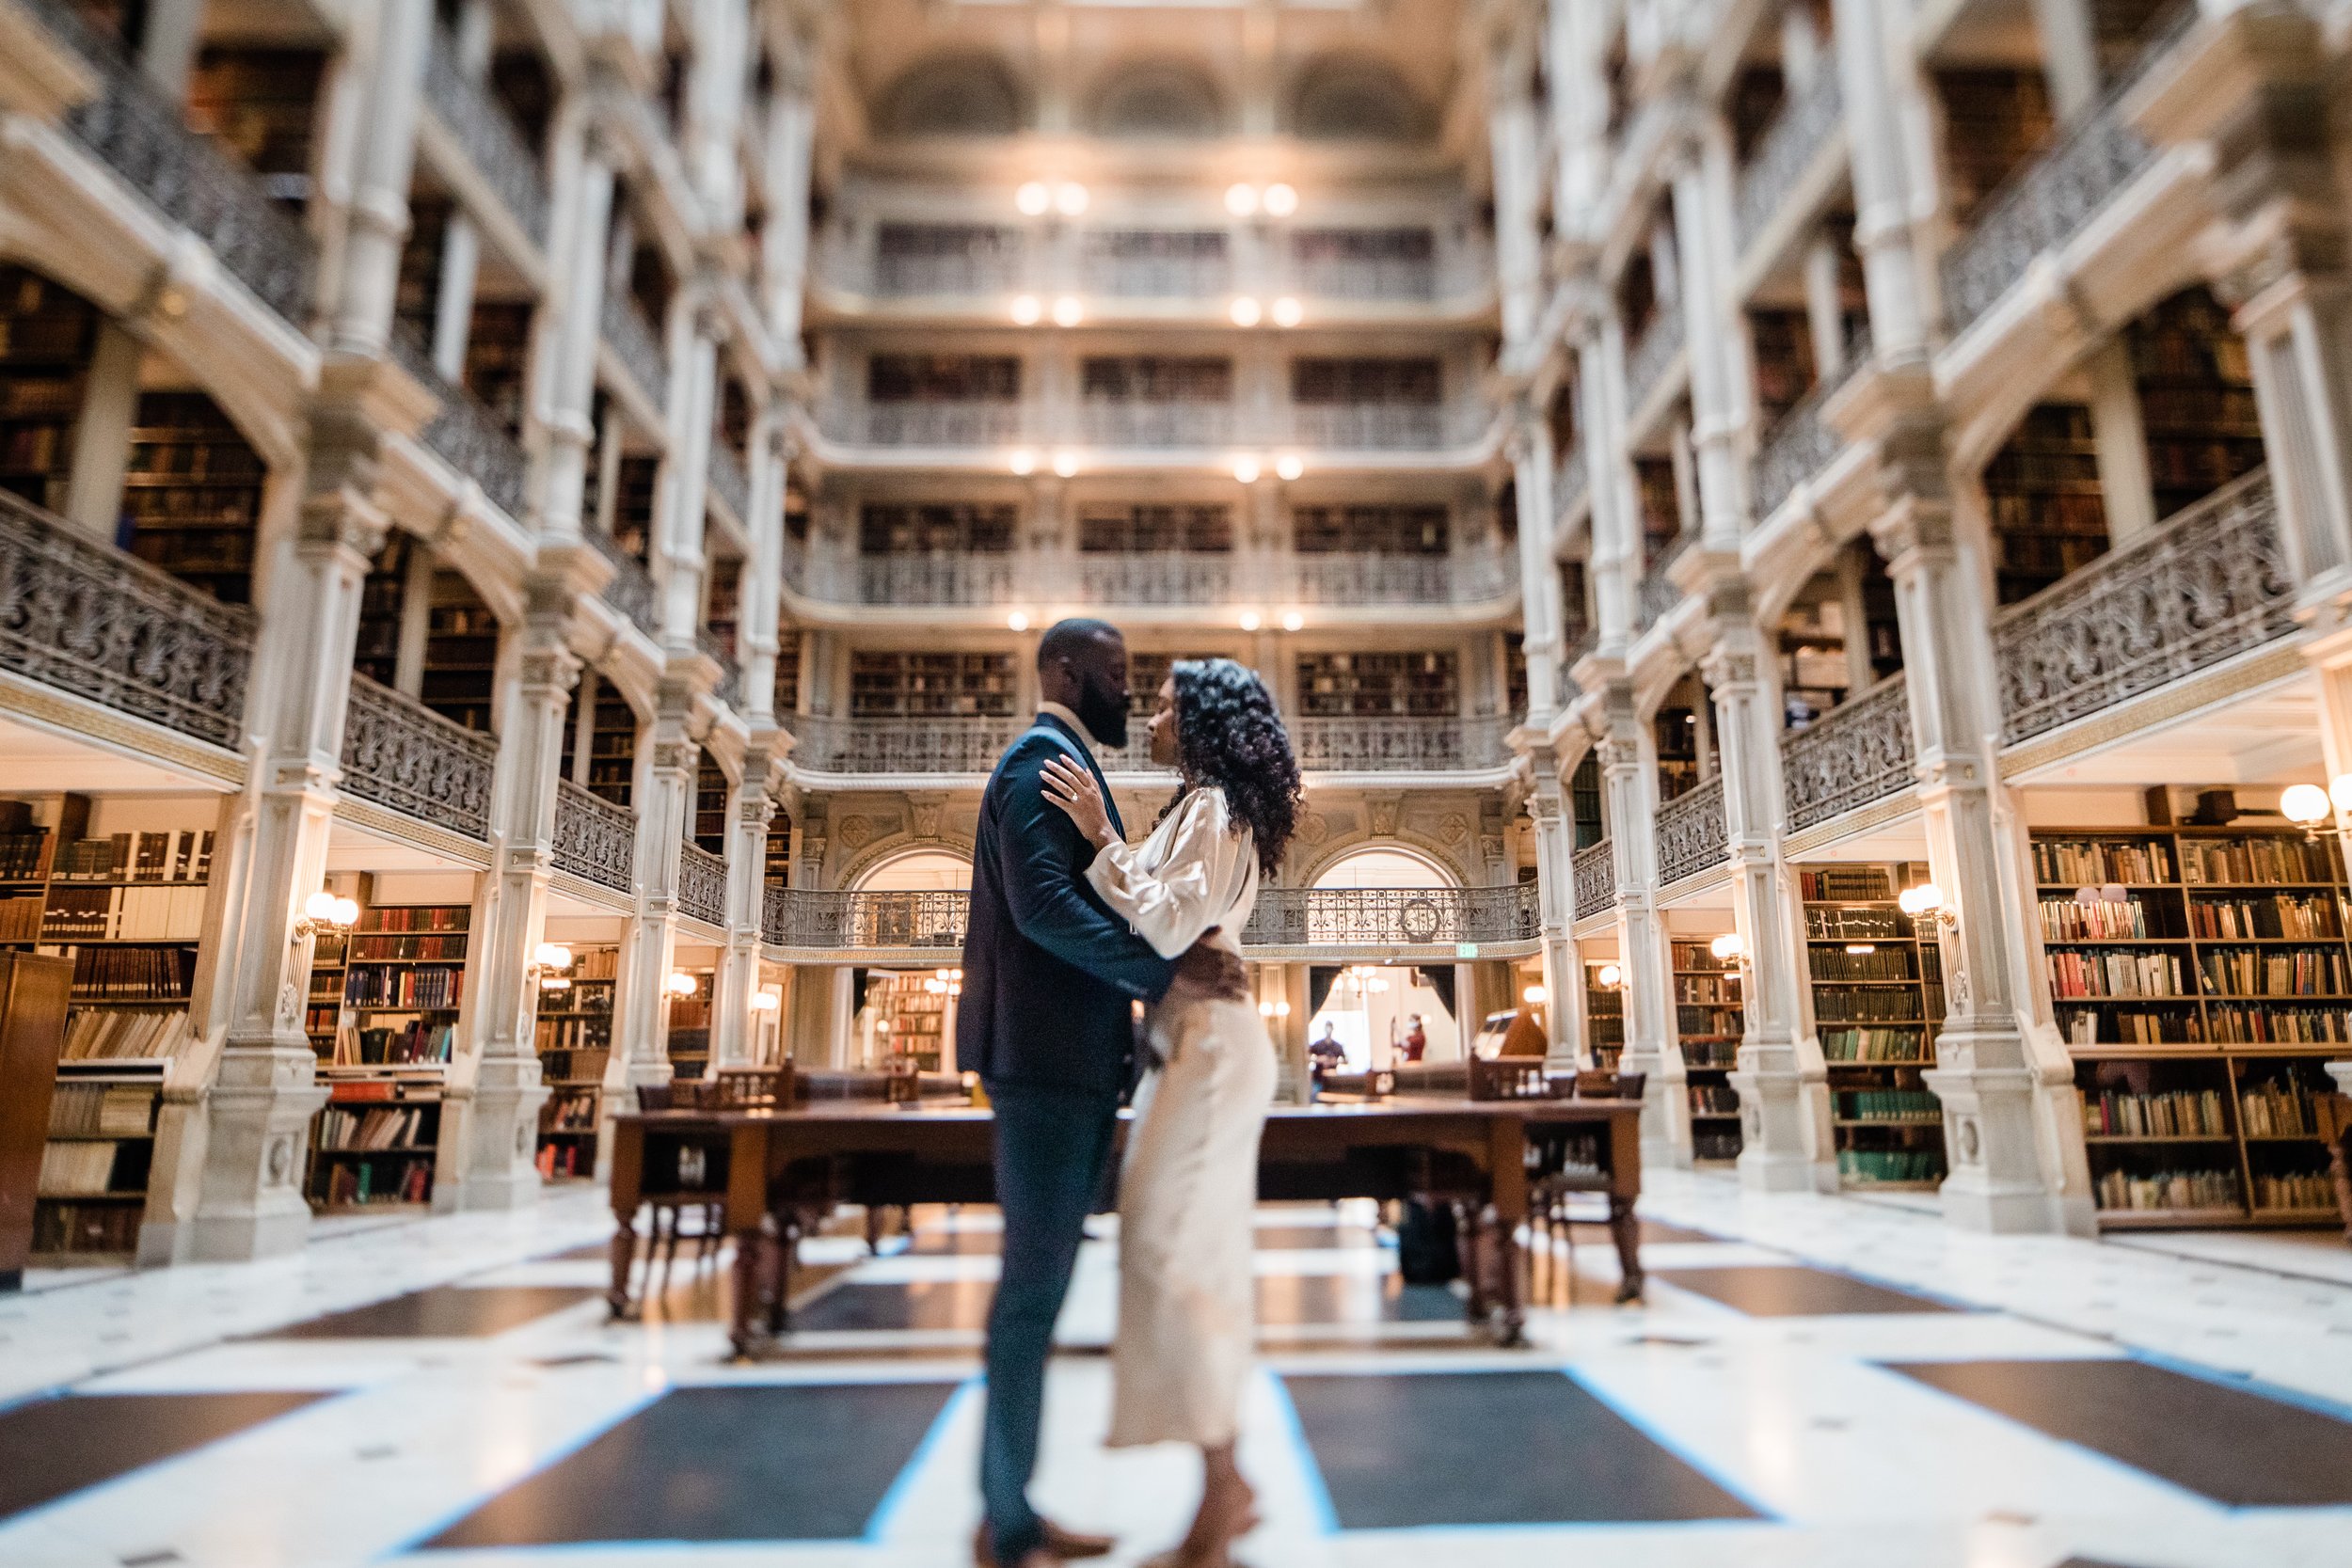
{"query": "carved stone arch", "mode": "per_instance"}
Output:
(953, 95)
(1158, 98)
(1356, 98)
(895, 846)
(1415, 845)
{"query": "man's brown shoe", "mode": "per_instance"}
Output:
(1060, 1545)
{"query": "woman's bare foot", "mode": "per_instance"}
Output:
(1228, 1510)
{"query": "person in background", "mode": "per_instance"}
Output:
(1325, 1054)
(1416, 1037)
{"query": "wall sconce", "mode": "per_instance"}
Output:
(765, 1002)
(1926, 902)
(681, 984)
(1609, 976)
(547, 962)
(1727, 948)
(2308, 805)
(1535, 996)
(324, 912)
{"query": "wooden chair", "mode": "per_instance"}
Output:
(1549, 1192)
(671, 1207)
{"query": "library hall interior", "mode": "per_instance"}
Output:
(709, 707)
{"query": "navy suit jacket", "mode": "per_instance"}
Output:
(1049, 972)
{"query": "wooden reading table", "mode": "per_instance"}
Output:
(773, 1174)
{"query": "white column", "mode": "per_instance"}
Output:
(1824, 310)
(731, 1032)
(1539, 579)
(1629, 765)
(1786, 1143)
(386, 148)
(2012, 1118)
(2070, 54)
(1719, 371)
(490, 1120)
(784, 244)
(1516, 145)
(640, 1026)
(679, 529)
(2127, 491)
(101, 432)
(1885, 126)
(570, 381)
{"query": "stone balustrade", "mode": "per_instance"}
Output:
(631, 590)
(1394, 743)
(1652, 355)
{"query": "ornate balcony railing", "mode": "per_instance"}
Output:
(1859, 754)
(134, 131)
(730, 483)
(972, 423)
(1569, 482)
(488, 136)
(1203, 275)
(2209, 584)
(1384, 426)
(399, 752)
(924, 918)
(1692, 836)
(87, 619)
(1395, 917)
(1658, 594)
(952, 744)
(631, 590)
(933, 577)
(637, 346)
(1397, 744)
(2049, 201)
(465, 434)
(1459, 274)
(702, 884)
(1156, 424)
(775, 912)
(594, 838)
(1647, 362)
(1800, 445)
(1789, 148)
(729, 688)
(1594, 869)
(1391, 577)
(1155, 576)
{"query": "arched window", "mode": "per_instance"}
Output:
(1388, 866)
(919, 871)
(1350, 99)
(1159, 97)
(965, 96)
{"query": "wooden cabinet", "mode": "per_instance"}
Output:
(34, 989)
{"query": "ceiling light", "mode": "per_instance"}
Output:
(1065, 464)
(1024, 462)
(1728, 946)
(1244, 312)
(1033, 198)
(1070, 198)
(1280, 200)
(1068, 311)
(1017, 621)
(1292, 621)
(1609, 976)
(1247, 470)
(681, 983)
(1241, 200)
(1249, 620)
(1288, 312)
(1289, 466)
(1026, 310)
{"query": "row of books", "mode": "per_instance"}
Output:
(2067, 920)
(2306, 1190)
(184, 855)
(419, 1041)
(1882, 963)
(173, 913)
(1890, 1165)
(20, 855)
(2095, 1026)
(2256, 860)
(378, 1127)
(403, 988)
(348, 1182)
(595, 963)
(2123, 1191)
(131, 974)
(415, 917)
(1715, 989)
(101, 1110)
(2178, 1112)
(2241, 1025)
(570, 1111)
(561, 1162)
(572, 1033)
(2074, 974)
(1844, 884)
(1710, 1053)
(1886, 1105)
(575, 1066)
(2100, 861)
(1830, 924)
(99, 1035)
(20, 917)
(1714, 1100)
(87, 1227)
(76, 1170)
(1865, 1007)
(2271, 971)
(366, 947)
(1897, 1046)
(2301, 916)
(1715, 1142)
(2276, 1111)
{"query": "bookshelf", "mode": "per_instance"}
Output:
(2196, 399)
(2048, 514)
(1995, 118)
(911, 1021)
(711, 805)
(323, 1012)
(1709, 1020)
(461, 653)
(2200, 979)
(402, 973)
(375, 1142)
(886, 683)
(1783, 347)
(47, 336)
(573, 1034)
(612, 746)
(1878, 1001)
(383, 597)
(193, 494)
(1379, 685)
(1604, 1020)
(403, 982)
(689, 1028)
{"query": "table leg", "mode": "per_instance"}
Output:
(1514, 1332)
(1468, 1219)
(787, 1252)
(1627, 1231)
(624, 1263)
(745, 1310)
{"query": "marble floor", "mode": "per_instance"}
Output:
(1811, 1381)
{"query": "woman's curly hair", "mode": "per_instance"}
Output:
(1230, 736)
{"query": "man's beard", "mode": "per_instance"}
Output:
(1103, 713)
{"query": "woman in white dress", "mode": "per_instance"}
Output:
(1186, 1308)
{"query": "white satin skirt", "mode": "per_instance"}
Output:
(1187, 1193)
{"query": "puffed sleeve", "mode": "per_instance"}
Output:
(1172, 902)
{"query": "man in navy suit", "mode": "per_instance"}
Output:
(1050, 982)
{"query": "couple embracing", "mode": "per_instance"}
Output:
(1069, 928)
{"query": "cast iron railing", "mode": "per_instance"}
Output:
(1788, 150)
(1398, 744)
(702, 884)
(730, 483)
(594, 838)
(1394, 917)
(1859, 754)
(631, 590)
(400, 753)
(487, 135)
(1647, 362)
(1594, 869)
(639, 348)
(1692, 836)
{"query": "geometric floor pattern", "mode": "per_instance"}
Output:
(1813, 1382)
